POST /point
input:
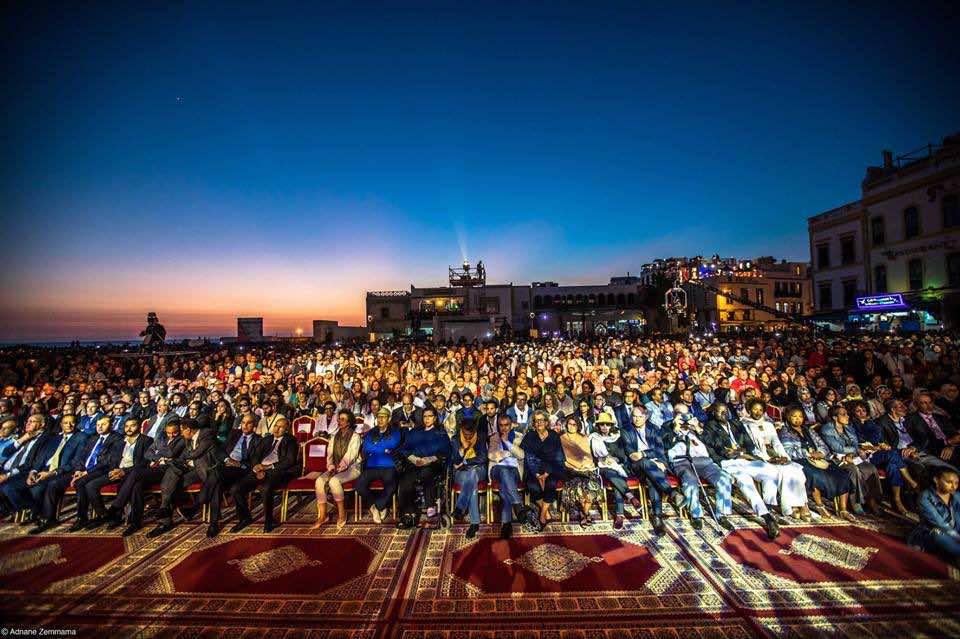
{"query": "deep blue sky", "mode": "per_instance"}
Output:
(207, 160)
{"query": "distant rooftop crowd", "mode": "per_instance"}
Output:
(794, 423)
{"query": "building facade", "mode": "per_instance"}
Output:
(484, 312)
(901, 236)
(752, 286)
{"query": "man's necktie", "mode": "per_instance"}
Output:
(92, 459)
(55, 459)
(935, 427)
(243, 448)
(16, 459)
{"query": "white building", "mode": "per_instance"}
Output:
(902, 236)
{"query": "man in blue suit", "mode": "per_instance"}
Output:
(19, 467)
(622, 411)
(101, 454)
(643, 443)
(54, 462)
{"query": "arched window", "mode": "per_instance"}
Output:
(621, 299)
(556, 300)
(537, 300)
(631, 299)
(610, 300)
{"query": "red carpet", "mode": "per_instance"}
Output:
(272, 565)
(554, 564)
(33, 564)
(837, 553)
(373, 582)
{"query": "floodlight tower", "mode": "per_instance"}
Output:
(468, 278)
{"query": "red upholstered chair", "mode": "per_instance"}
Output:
(494, 487)
(145, 426)
(303, 428)
(314, 461)
(774, 413)
(483, 490)
(358, 501)
(633, 485)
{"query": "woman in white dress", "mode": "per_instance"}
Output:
(781, 480)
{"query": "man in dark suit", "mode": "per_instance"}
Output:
(241, 446)
(17, 469)
(53, 464)
(100, 454)
(406, 412)
(199, 457)
(159, 421)
(156, 459)
(932, 432)
(135, 444)
(622, 410)
(277, 462)
(120, 416)
(647, 457)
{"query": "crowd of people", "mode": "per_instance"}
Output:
(795, 427)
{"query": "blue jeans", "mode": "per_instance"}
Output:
(509, 479)
(942, 545)
(468, 479)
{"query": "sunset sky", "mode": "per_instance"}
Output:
(209, 162)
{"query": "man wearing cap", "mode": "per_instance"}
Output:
(377, 450)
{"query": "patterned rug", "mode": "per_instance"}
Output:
(374, 582)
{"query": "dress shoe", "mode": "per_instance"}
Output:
(187, 512)
(213, 530)
(770, 525)
(696, 523)
(472, 530)
(658, 526)
(95, 523)
(78, 525)
(131, 529)
(725, 522)
(160, 529)
(457, 515)
(269, 528)
(618, 522)
(506, 530)
(240, 525)
(43, 526)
